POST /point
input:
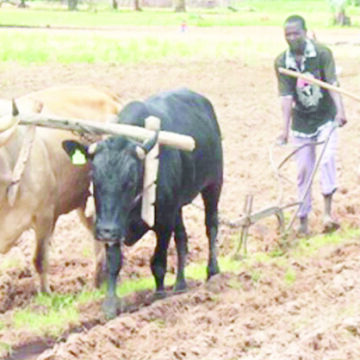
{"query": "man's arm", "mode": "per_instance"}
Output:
(286, 89)
(329, 69)
(340, 117)
(286, 106)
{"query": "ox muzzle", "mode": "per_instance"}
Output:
(108, 233)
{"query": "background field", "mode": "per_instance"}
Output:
(273, 305)
(246, 12)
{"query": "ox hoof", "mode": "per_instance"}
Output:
(213, 270)
(45, 289)
(111, 307)
(180, 287)
(158, 295)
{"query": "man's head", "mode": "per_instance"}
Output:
(295, 33)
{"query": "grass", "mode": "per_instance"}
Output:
(48, 316)
(290, 276)
(9, 263)
(39, 48)
(309, 247)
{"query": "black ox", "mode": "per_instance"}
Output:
(117, 175)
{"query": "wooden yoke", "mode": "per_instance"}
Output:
(150, 175)
(178, 141)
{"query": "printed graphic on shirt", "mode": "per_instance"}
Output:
(308, 94)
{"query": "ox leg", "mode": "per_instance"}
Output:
(159, 260)
(114, 261)
(100, 271)
(43, 235)
(211, 197)
(182, 250)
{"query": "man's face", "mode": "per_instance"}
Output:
(295, 36)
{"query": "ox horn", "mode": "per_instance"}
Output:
(7, 122)
(92, 148)
(15, 110)
(142, 150)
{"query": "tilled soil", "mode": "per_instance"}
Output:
(257, 313)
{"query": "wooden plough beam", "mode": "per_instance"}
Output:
(251, 218)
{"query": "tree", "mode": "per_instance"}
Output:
(72, 4)
(180, 6)
(137, 6)
(339, 16)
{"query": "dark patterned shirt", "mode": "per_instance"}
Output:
(313, 105)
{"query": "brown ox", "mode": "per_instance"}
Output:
(50, 185)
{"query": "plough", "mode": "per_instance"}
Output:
(250, 218)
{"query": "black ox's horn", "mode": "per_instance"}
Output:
(15, 110)
(143, 149)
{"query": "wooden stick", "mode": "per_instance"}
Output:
(318, 82)
(179, 141)
(245, 225)
(150, 175)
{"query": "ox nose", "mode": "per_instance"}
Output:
(107, 233)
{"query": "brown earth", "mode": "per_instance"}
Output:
(254, 314)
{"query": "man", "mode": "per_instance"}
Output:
(312, 112)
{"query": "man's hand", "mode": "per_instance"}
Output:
(282, 139)
(340, 119)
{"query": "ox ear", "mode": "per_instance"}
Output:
(76, 151)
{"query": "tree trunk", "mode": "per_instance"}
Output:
(114, 4)
(137, 6)
(72, 4)
(180, 6)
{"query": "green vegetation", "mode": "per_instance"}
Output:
(149, 43)
(309, 247)
(130, 286)
(49, 315)
(9, 263)
(45, 47)
(249, 12)
(290, 276)
(6, 347)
